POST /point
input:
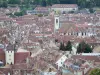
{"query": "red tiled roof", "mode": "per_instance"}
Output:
(20, 66)
(5, 71)
(91, 58)
(2, 57)
(20, 57)
(41, 8)
(1, 50)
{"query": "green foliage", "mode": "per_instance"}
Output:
(62, 47)
(3, 3)
(19, 13)
(88, 49)
(83, 48)
(68, 46)
(46, 2)
(10, 14)
(95, 72)
(28, 3)
(91, 10)
(40, 15)
(71, 11)
(14, 1)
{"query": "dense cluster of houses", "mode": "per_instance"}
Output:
(27, 43)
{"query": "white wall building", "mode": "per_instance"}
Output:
(9, 54)
(61, 61)
(57, 24)
(63, 8)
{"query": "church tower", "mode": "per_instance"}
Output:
(56, 25)
(9, 54)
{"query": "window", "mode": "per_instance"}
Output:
(71, 33)
(85, 33)
(56, 20)
(77, 34)
(82, 33)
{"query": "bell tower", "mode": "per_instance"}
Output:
(56, 25)
(9, 54)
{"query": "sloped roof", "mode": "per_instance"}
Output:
(20, 57)
(10, 47)
(91, 58)
(2, 56)
(22, 50)
(64, 6)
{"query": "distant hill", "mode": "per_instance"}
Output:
(81, 3)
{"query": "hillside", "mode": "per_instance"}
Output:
(28, 3)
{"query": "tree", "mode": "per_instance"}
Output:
(83, 48)
(97, 2)
(95, 72)
(91, 10)
(68, 46)
(3, 3)
(40, 15)
(81, 3)
(19, 13)
(14, 1)
(88, 49)
(44, 3)
(62, 47)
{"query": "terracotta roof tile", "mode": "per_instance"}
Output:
(20, 57)
(91, 58)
